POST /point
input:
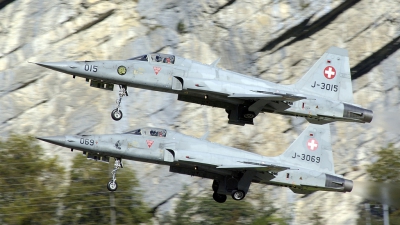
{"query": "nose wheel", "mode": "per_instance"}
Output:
(116, 114)
(112, 184)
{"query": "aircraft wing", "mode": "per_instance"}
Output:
(263, 98)
(267, 95)
(254, 166)
(203, 158)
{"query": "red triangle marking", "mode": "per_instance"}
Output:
(156, 69)
(149, 143)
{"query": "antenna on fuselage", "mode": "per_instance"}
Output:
(214, 64)
(205, 135)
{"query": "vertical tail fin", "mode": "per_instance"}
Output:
(312, 149)
(329, 77)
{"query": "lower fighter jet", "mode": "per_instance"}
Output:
(305, 167)
(323, 95)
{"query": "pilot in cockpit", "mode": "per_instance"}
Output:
(169, 60)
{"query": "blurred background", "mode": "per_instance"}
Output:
(276, 40)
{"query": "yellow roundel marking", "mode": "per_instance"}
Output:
(121, 70)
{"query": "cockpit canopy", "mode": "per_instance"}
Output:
(156, 57)
(149, 131)
(139, 58)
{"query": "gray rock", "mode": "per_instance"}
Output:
(274, 40)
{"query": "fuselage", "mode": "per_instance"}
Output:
(197, 157)
(209, 85)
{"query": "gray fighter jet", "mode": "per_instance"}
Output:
(324, 94)
(305, 167)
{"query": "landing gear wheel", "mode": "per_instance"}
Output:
(238, 195)
(116, 114)
(249, 115)
(219, 198)
(112, 186)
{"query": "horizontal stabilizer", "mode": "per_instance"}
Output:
(325, 117)
(301, 191)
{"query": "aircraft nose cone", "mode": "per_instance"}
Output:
(53, 65)
(58, 140)
(58, 66)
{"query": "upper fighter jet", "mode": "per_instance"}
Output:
(305, 167)
(324, 94)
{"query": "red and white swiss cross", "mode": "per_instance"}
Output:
(329, 72)
(312, 144)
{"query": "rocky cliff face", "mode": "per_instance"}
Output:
(275, 40)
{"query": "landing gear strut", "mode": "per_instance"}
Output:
(116, 114)
(112, 185)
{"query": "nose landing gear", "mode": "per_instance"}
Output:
(116, 114)
(112, 184)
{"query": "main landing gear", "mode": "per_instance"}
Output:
(236, 195)
(112, 185)
(219, 198)
(116, 114)
(240, 115)
(237, 188)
